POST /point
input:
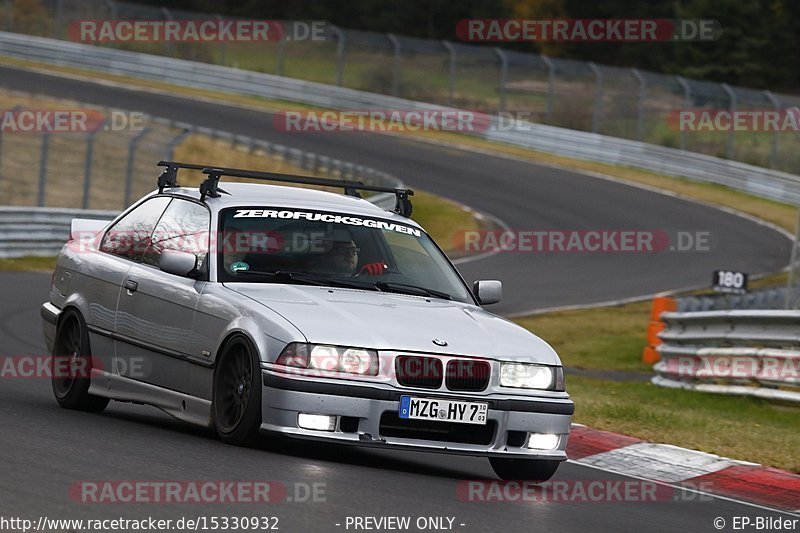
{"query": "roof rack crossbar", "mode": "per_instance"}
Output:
(209, 187)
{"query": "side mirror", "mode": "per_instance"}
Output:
(177, 262)
(488, 291)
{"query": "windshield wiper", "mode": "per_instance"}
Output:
(404, 288)
(310, 279)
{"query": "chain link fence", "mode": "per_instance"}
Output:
(626, 103)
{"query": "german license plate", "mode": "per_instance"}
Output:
(443, 410)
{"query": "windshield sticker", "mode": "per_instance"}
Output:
(328, 217)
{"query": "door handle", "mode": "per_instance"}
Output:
(131, 286)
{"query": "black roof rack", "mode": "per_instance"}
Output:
(209, 187)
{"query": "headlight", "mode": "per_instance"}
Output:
(330, 358)
(527, 376)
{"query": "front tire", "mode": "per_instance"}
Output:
(237, 393)
(524, 469)
(71, 366)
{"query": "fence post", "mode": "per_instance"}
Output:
(167, 45)
(8, 16)
(134, 142)
(223, 46)
(503, 76)
(396, 69)
(794, 267)
(551, 84)
(732, 108)
(640, 106)
(169, 154)
(687, 101)
(87, 167)
(598, 97)
(59, 22)
(451, 52)
(281, 54)
(340, 44)
(112, 7)
(43, 168)
(12, 111)
(773, 151)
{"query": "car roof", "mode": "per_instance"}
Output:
(258, 195)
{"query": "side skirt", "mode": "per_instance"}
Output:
(182, 406)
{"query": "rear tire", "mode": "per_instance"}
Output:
(524, 469)
(236, 404)
(71, 366)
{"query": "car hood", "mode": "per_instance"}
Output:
(388, 321)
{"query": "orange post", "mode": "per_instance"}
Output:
(661, 304)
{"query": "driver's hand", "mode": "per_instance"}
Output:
(373, 269)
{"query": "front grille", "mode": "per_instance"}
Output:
(422, 372)
(394, 426)
(466, 375)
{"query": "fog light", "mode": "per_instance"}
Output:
(316, 422)
(543, 441)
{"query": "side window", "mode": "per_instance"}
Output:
(183, 227)
(130, 235)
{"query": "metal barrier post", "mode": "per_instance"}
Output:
(598, 97)
(340, 44)
(732, 131)
(640, 107)
(396, 69)
(551, 83)
(43, 168)
(503, 77)
(451, 92)
(87, 168)
(773, 150)
(687, 100)
(134, 142)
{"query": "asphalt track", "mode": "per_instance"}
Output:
(46, 450)
(523, 195)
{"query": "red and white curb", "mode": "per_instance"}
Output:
(669, 464)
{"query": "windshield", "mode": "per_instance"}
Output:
(274, 245)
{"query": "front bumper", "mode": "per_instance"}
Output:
(364, 408)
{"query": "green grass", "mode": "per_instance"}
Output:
(742, 428)
(28, 264)
(607, 338)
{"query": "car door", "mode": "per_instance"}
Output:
(155, 342)
(103, 278)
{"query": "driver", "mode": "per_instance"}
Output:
(342, 257)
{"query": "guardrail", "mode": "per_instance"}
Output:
(743, 352)
(38, 231)
(760, 181)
